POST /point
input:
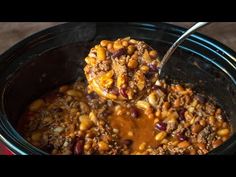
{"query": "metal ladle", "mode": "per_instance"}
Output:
(171, 50)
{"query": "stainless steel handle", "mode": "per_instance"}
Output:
(179, 41)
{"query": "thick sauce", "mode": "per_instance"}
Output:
(139, 130)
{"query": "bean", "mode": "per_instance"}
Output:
(142, 146)
(120, 112)
(224, 138)
(132, 63)
(179, 88)
(172, 115)
(181, 113)
(165, 106)
(63, 88)
(87, 146)
(125, 43)
(158, 84)
(81, 133)
(218, 124)
(202, 122)
(149, 113)
(84, 107)
(93, 117)
(188, 116)
(109, 74)
(192, 152)
(160, 136)
(218, 111)
(142, 105)
(158, 113)
(200, 98)
(90, 135)
(183, 144)
(131, 49)
(182, 137)
(126, 38)
(176, 103)
(146, 56)
(36, 105)
(153, 99)
(211, 120)
(174, 143)
(115, 130)
(101, 53)
(58, 129)
(107, 83)
(196, 128)
(74, 93)
(130, 133)
(144, 68)
(223, 132)
(193, 104)
(217, 143)
(134, 112)
(164, 114)
(110, 46)
(103, 146)
(161, 126)
(164, 141)
(121, 80)
(117, 45)
(83, 117)
(153, 54)
(115, 91)
(78, 148)
(140, 80)
(192, 121)
(201, 146)
(133, 41)
(85, 124)
(153, 68)
(119, 53)
(123, 92)
(127, 142)
(186, 124)
(90, 61)
(104, 43)
(155, 121)
(101, 123)
(191, 109)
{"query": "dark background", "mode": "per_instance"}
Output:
(12, 32)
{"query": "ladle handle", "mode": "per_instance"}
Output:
(179, 41)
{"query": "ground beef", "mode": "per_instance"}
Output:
(205, 135)
(104, 65)
(171, 126)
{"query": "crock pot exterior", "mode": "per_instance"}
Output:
(85, 34)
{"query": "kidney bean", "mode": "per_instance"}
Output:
(200, 98)
(119, 53)
(78, 148)
(134, 112)
(127, 142)
(123, 92)
(181, 114)
(161, 126)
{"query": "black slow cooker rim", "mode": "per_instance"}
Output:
(53, 31)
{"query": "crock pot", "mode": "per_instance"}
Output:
(54, 56)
